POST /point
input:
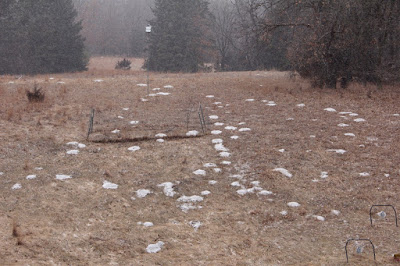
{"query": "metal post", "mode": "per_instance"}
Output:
(148, 31)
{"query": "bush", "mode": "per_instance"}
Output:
(124, 64)
(36, 95)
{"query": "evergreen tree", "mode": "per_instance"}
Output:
(41, 36)
(179, 41)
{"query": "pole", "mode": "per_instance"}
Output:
(148, 55)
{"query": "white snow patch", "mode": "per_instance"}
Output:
(160, 140)
(359, 120)
(353, 114)
(284, 213)
(116, 131)
(281, 150)
(188, 206)
(350, 134)
(301, 105)
(152, 95)
(161, 135)
(284, 172)
(200, 172)
(340, 151)
(290, 119)
(265, 192)
(134, 122)
(109, 185)
(329, 109)
(335, 212)
(216, 141)
(148, 224)
(168, 87)
(192, 133)
(154, 248)
(234, 137)
(125, 109)
(98, 80)
(212, 182)
(31, 177)
(249, 100)
(120, 117)
(293, 204)
(144, 100)
(16, 186)
(217, 170)
(61, 82)
(63, 177)
(343, 125)
(271, 103)
(236, 184)
(213, 117)
(324, 175)
(319, 218)
(313, 136)
(387, 175)
(244, 129)
(230, 128)
(364, 174)
(226, 162)
(11, 82)
(217, 103)
(210, 96)
(168, 189)
(218, 124)
(220, 147)
(1, 173)
(156, 89)
(141, 193)
(216, 132)
(224, 154)
(163, 93)
(345, 113)
(205, 193)
(192, 199)
(209, 165)
(134, 148)
(141, 85)
(81, 146)
(195, 224)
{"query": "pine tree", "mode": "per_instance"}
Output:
(179, 41)
(42, 36)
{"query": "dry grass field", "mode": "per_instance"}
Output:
(238, 216)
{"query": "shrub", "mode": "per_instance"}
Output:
(36, 95)
(124, 64)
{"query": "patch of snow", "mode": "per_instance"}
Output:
(205, 193)
(161, 135)
(212, 182)
(216, 141)
(353, 114)
(220, 147)
(191, 199)
(255, 183)
(381, 214)
(188, 206)
(364, 174)
(134, 148)
(284, 172)
(144, 100)
(109, 185)
(396, 114)
(168, 87)
(265, 193)
(319, 218)
(271, 103)
(141, 193)
(163, 93)
(284, 213)
(11, 82)
(209, 165)
(218, 124)
(73, 143)
(293, 204)
(387, 175)
(282, 150)
(216, 132)
(81, 146)
(148, 224)
(301, 105)
(141, 85)
(154, 248)
(16, 186)
(350, 134)
(156, 89)
(244, 129)
(236, 184)
(200, 172)
(125, 109)
(120, 117)
(234, 137)
(168, 189)
(329, 109)
(63, 177)
(230, 128)
(224, 154)
(343, 125)
(324, 175)
(217, 170)
(31, 177)
(313, 136)
(195, 224)
(116, 131)
(340, 151)
(153, 95)
(210, 96)
(249, 100)
(61, 82)
(160, 140)
(226, 162)
(359, 120)
(134, 122)
(213, 117)
(217, 103)
(192, 133)
(1, 173)
(242, 123)
(335, 212)
(290, 119)
(98, 80)
(345, 113)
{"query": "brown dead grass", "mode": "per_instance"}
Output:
(77, 222)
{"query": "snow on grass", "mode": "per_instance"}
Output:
(290, 119)
(16, 186)
(212, 182)
(345, 113)
(192, 133)
(329, 109)
(144, 100)
(156, 89)
(301, 105)
(120, 117)
(284, 172)
(141, 193)
(61, 82)
(283, 213)
(236, 184)
(271, 103)
(125, 109)
(340, 151)
(353, 114)
(31, 177)
(242, 123)
(313, 136)
(76, 144)
(217, 170)
(1, 173)
(188, 206)
(11, 82)
(216, 141)
(134, 148)
(161, 135)
(163, 93)
(324, 175)
(210, 96)
(244, 129)
(220, 147)
(358, 120)
(319, 218)
(195, 224)
(293, 204)
(72, 152)
(364, 174)
(190, 199)
(208, 165)
(213, 117)
(205, 193)
(141, 85)
(109, 185)
(154, 248)
(218, 124)
(116, 131)
(224, 154)
(396, 115)
(216, 132)
(226, 162)
(160, 140)
(168, 189)
(264, 192)
(63, 177)
(387, 175)
(343, 125)
(350, 134)
(148, 224)
(335, 212)
(153, 94)
(134, 122)
(250, 100)
(234, 137)
(230, 128)
(200, 172)
(98, 80)
(168, 87)
(282, 150)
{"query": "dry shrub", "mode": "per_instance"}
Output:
(37, 95)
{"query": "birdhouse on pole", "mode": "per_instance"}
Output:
(148, 28)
